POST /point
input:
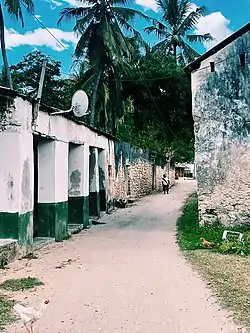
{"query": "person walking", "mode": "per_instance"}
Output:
(165, 184)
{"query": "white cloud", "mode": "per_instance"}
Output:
(40, 37)
(54, 4)
(217, 25)
(38, 16)
(148, 4)
(77, 3)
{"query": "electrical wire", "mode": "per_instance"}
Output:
(43, 25)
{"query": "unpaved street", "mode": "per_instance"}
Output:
(126, 276)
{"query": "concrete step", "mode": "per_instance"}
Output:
(8, 251)
(74, 228)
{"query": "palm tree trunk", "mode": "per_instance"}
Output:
(175, 53)
(3, 49)
(94, 98)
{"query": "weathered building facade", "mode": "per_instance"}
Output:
(221, 113)
(56, 172)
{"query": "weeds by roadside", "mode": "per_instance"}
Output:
(20, 284)
(190, 232)
(226, 266)
(228, 276)
(5, 312)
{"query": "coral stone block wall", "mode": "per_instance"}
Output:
(138, 172)
(221, 112)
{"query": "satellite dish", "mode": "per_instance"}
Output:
(80, 103)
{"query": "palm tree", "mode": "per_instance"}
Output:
(101, 26)
(14, 9)
(175, 29)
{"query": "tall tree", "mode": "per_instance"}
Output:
(100, 26)
(57, 91)
(175, 29)
(14, 9)
(161, 115)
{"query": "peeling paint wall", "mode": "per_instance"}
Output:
(221, 112)
(134, 172)
(76, 172)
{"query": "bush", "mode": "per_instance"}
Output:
(20, 284)
(189, 232)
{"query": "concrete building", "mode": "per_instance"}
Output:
(56, 172)
(221, 113)
(185, 170)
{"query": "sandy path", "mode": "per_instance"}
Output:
(128, 276)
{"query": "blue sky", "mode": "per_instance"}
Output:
(223, 18)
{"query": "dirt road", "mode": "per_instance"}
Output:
(125, 276)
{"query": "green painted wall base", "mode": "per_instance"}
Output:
(94, 204)
(17, 226)
(52, 220)
(78, 208)
(103, 201)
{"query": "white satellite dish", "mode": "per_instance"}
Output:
(79, 105)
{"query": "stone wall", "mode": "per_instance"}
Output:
(138, 172)
(221, 113)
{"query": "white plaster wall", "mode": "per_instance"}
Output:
(103, 163)
(111, 172)
(10, 176)
(61, 171)
(85, 189)
(52, 171)
(24, 113)
(66, 130)
(94, 182)
(46, 171)
(26, 173)
(76, 164)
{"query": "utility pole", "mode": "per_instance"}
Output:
(40, 90)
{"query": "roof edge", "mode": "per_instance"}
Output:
(196, 63)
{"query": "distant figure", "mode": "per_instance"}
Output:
(165, 184)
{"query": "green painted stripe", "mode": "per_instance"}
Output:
(94, 204)
(52, 220)
(9, 225)
(78, 208)
(17, 226)
(103, 201)
(25, 237)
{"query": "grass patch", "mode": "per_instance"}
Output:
(229, 279)
(20, 284)
(228, 275)
(190, 232)
(5, 312)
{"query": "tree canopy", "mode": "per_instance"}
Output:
(139, 93)
(26, 75)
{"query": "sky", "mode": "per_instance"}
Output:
(222, 19)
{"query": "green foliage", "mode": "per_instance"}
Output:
(5, 312)
(20, 284)
(190, 232)
(175, 29)
(107, 39)
(57, 91)
(161, 115)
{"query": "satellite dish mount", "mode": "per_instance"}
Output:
(79, 105)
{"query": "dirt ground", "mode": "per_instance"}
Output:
(125, 276)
